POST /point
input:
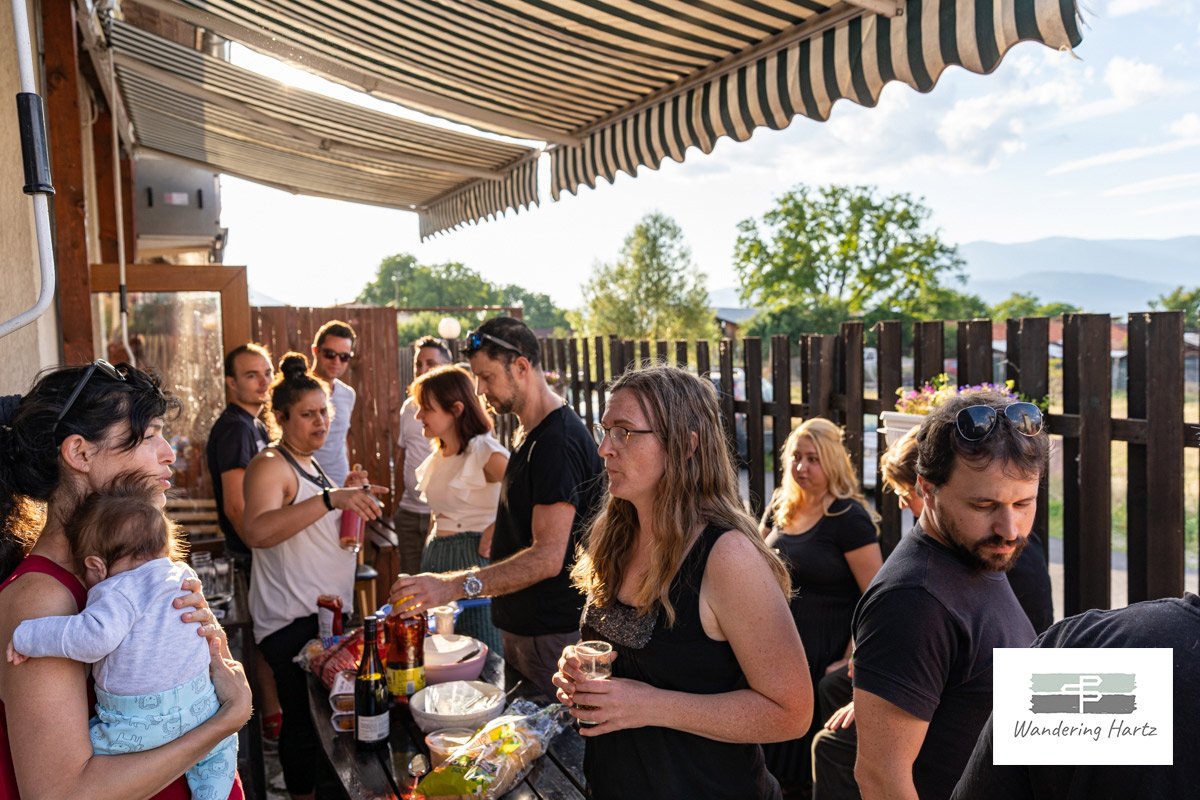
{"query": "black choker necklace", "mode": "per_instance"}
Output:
(301, 453)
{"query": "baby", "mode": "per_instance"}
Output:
(150, 667)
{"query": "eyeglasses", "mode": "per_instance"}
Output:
(974, 423)
(618, 434)
(99, 364)
(332, 354)
(475, 341)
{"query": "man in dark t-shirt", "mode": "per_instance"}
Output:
(925, 629)
(552, 485)
(1173, 623)
(236, 437)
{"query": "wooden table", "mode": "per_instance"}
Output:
(383, 774)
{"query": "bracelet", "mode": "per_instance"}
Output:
(326, 498)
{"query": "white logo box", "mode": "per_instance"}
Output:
(1137, 681)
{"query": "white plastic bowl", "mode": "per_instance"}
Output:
(485, 711)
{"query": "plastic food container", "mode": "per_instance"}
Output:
(488, 707)
(441, 743)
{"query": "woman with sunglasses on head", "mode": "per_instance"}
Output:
(707, 659)
(292, 520)
(819, 523)
(77, 430)
(460, 481)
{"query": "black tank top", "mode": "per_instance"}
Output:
(663, 763)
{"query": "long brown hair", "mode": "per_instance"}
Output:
(699, 486)
(447, 385)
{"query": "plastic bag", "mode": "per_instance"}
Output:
(327, 663)
(499, 755)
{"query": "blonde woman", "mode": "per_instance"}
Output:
(707, 660)
(819, 523)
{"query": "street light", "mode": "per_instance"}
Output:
(449, 328)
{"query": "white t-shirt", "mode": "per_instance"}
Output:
(416, 449)
(456, 489)
(332, 456)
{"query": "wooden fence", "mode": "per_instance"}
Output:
(831, 384)
(374, 373)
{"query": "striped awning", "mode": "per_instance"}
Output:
(189, 105)
(612, 86)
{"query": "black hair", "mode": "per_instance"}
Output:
(434, 342)
(516, 333)
(939, 445)
(335, 327)
(292, 379)
(31, 436)
(241, 350)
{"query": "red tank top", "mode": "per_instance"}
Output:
(8, 778)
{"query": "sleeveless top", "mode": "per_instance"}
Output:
(178, 790)
(287, 578)
(660, 762)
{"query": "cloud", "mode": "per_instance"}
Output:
(1130, 83)
(1120, 8)
(1170, 208)
(1186, 129)
(1165, 183)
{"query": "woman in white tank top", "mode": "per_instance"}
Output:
(291, 521)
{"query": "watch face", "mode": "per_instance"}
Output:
(472, 585)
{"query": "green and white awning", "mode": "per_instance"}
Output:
(189, 105)
(611, 86)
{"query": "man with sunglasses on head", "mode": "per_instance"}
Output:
(551, 486)
(332, 349)
(925, 629)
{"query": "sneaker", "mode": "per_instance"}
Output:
(271, 725)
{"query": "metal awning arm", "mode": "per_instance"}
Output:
(35, 156)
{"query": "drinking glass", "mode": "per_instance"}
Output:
(206, 571)
(594, 662)
(221, 590)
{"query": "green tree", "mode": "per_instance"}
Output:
(539, 310)
(847, 245)
(402, 282)
(1026, 304)
(653, 291)
(1181, 299)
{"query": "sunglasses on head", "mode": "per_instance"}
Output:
(476, 340)
(99, 364)
(974, 423)
(332, 354)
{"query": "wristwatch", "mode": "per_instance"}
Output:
(472, 586)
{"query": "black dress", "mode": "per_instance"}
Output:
(826, 593)
(663, 763)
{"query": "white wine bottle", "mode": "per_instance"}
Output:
(371, 699)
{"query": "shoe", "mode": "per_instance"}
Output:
(271, 725)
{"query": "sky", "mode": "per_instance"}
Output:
(1102, 143)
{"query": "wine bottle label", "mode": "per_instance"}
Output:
(405, 681)
(372, 729)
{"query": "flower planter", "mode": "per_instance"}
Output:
(897, 423)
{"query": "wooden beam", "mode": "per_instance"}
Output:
(64, 123)
(229, 282)
(106, 202)
(884, 8)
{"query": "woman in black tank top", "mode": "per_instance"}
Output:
(707, 662)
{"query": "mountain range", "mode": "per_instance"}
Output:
(1109, 276)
